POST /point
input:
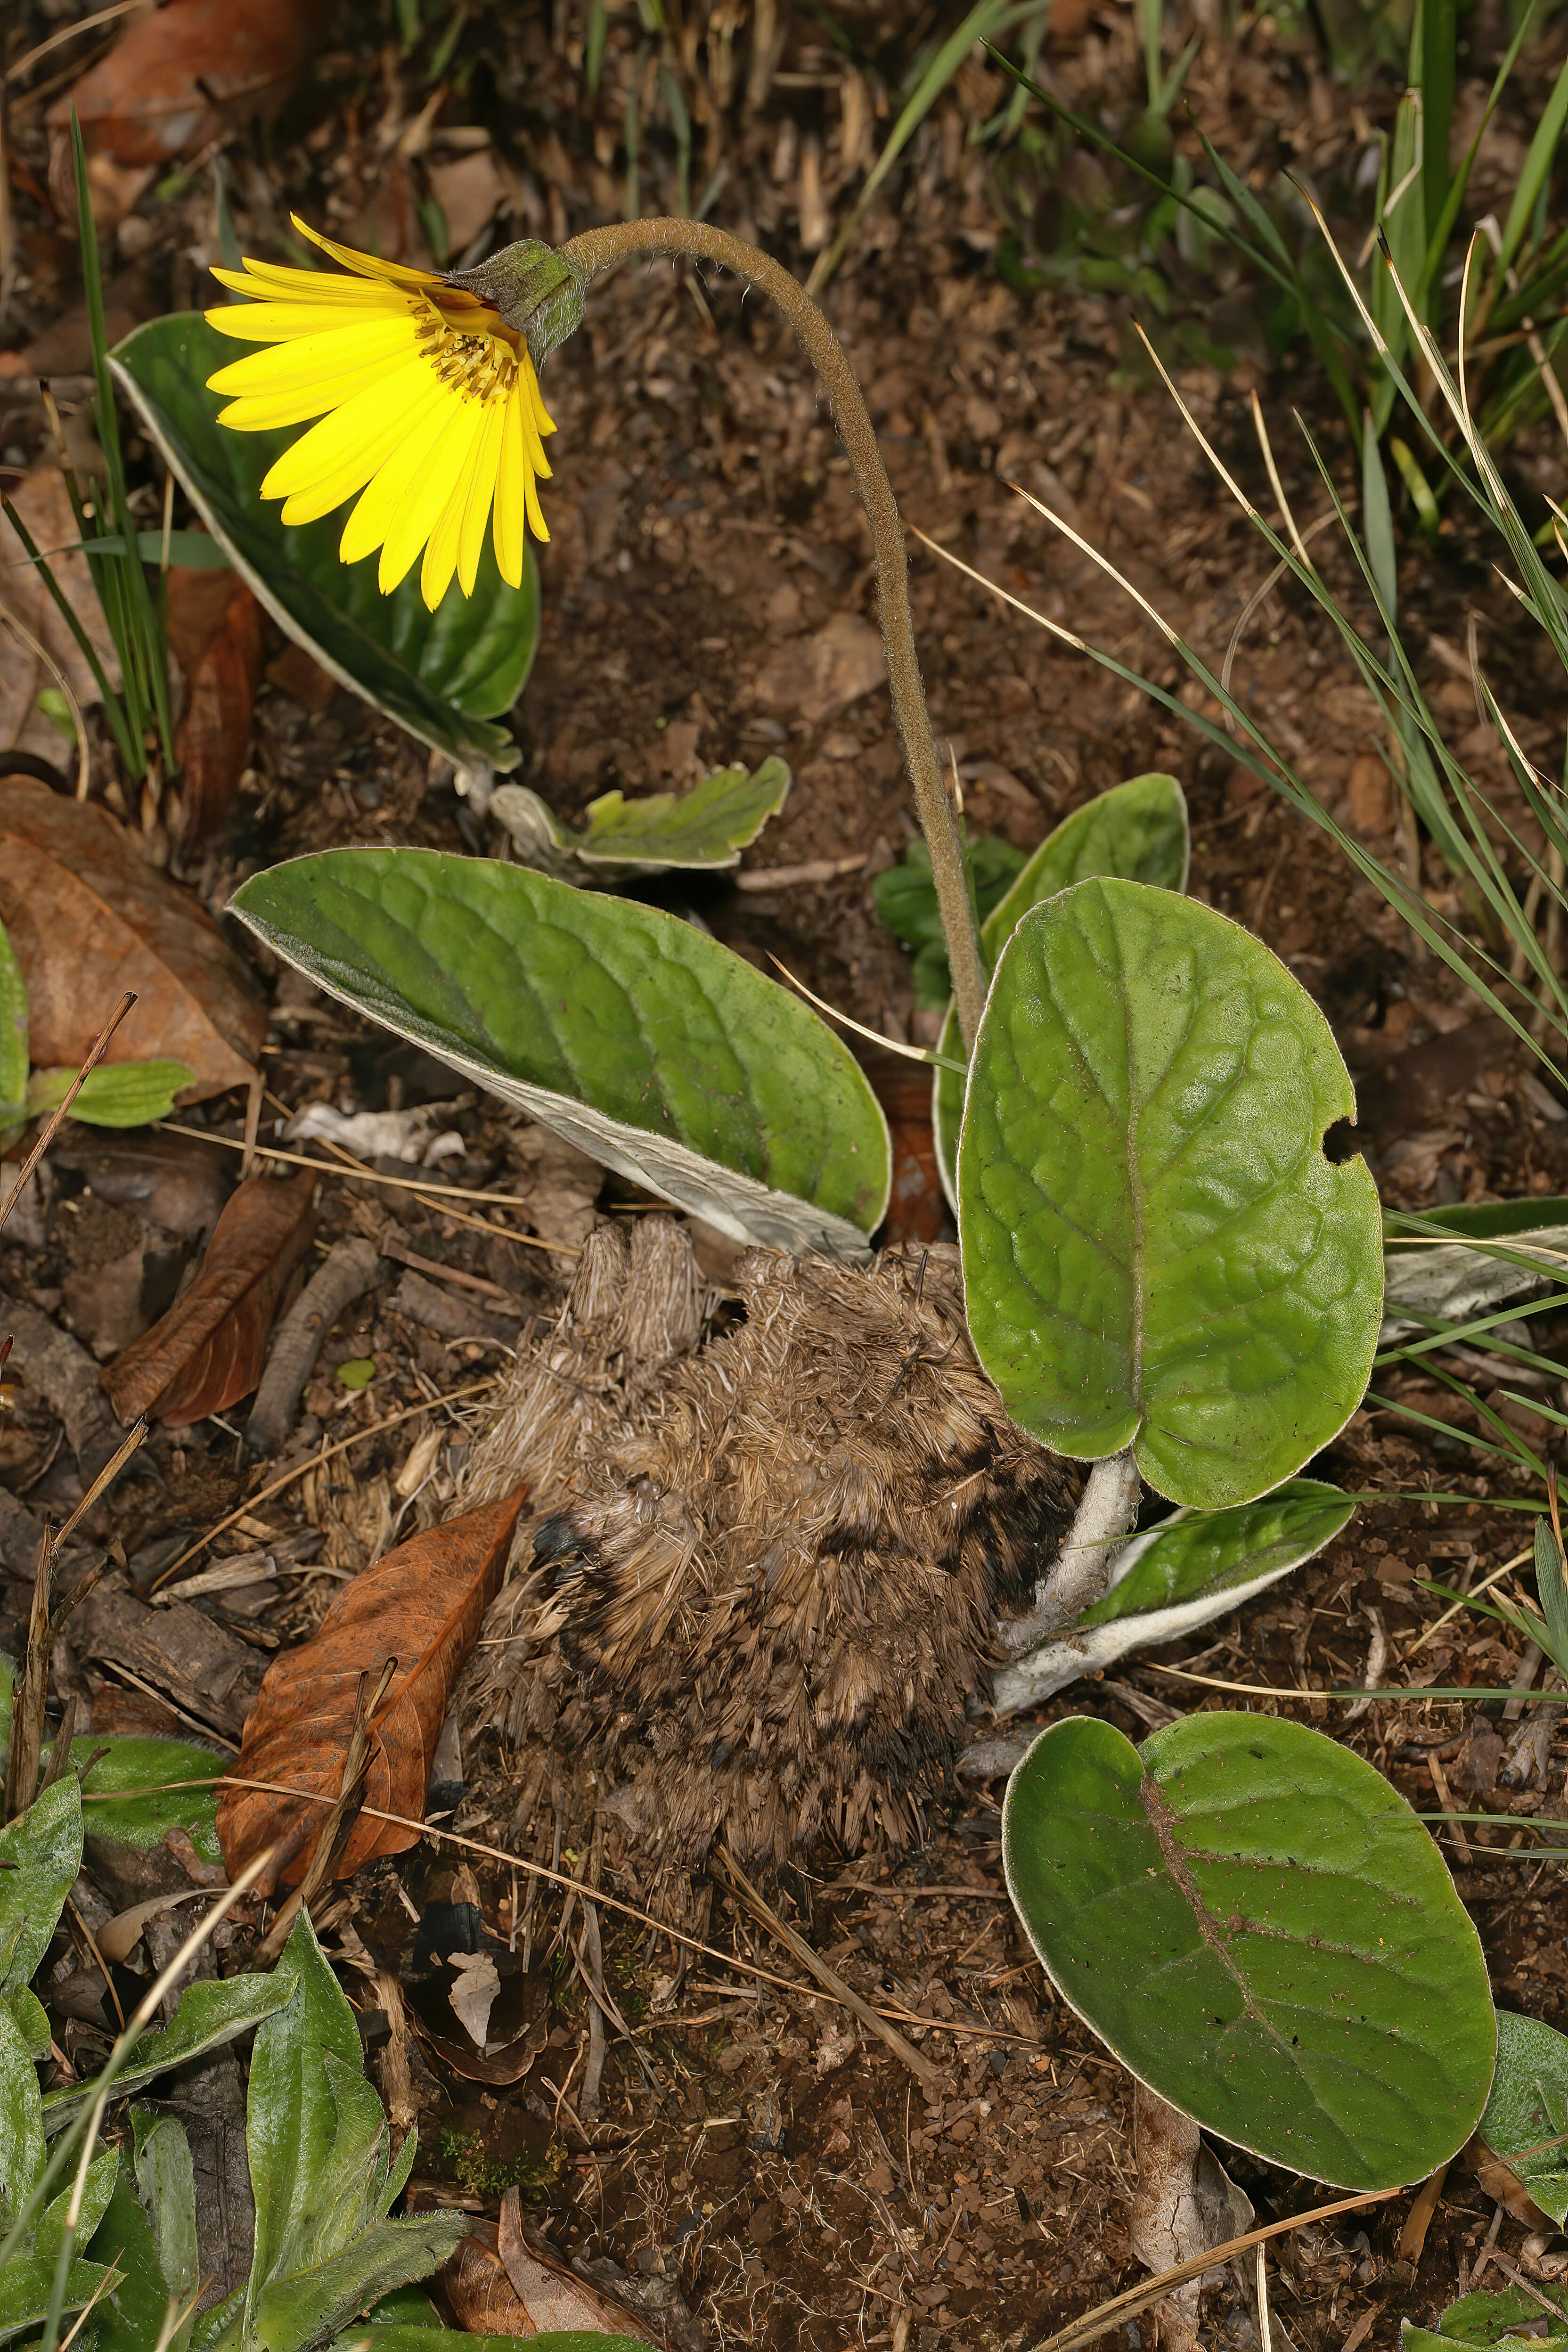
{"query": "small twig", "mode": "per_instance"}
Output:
(31, 1694)
(1092, 2325)
(346, 1273)
(105, 1477)
(52, 1125)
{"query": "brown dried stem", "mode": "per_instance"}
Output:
(596, 249)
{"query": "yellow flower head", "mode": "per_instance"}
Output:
(429, 409)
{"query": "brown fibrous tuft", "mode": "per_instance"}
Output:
(767, 1555)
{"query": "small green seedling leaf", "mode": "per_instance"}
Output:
(211, 2012)
(356, 1373)
(1156, 1252)
(21, 2123)
(132, 1794)
(40, 1854)
(705, 828)
(26, 2284)
(48, 2231)
(1479, 2323)
(13, 1034)
(1256, 1925)
(643, 1042)
(444, 675)
(1137, 830)
(1528, 2106)
(30, 2018)
(1196, 1566)
(116, 1093)
(905, 899)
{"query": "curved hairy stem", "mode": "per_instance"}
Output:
(595, 250)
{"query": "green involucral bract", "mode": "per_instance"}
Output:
(1260, 1929)
(1156, 1252)
(444, 675)
(643, 1042)
(1137, 830)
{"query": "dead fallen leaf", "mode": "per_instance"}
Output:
(215, 634)
(176, 79)
(90, 918)
(46, 510)
(497, 2068)
(471, 192)
(813, 676)
(917, 1206)
(475, 1992)
(513, 2292)
(421, 1604)
(208, 1349)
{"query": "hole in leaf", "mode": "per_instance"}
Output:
(1342, 1141)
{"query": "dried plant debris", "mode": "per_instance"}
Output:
(766, 1553)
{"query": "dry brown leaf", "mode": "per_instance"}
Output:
(46, 510)
(514, 2292)
(177, 76)
(89, 918)
(422, 1604)
(208, 1349)
(215, 634)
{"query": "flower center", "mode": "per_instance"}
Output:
(479, 367)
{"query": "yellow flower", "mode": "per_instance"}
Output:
(428, 411)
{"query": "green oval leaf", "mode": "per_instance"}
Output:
(443, 676)
(1259, 1928)
(1194, 1567)
(1137, 830)
(1156, 1253)
(1529, 2104)
(641, 1041)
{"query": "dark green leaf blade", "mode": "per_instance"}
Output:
(643, 1042)
(41, 1853)
(443, 676)
(1255, 1923)
(1156, 1252)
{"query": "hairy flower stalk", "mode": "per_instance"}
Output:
(595, 250)
(425, 396)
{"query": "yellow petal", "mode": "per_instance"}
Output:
(336, 354)
(510, 496)
(270, 281)
(480, 491)
(348, 474)
(542, 420)
(432, 491)
(280, 322)
(366, 264)
(379, 413)
(385, 496)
